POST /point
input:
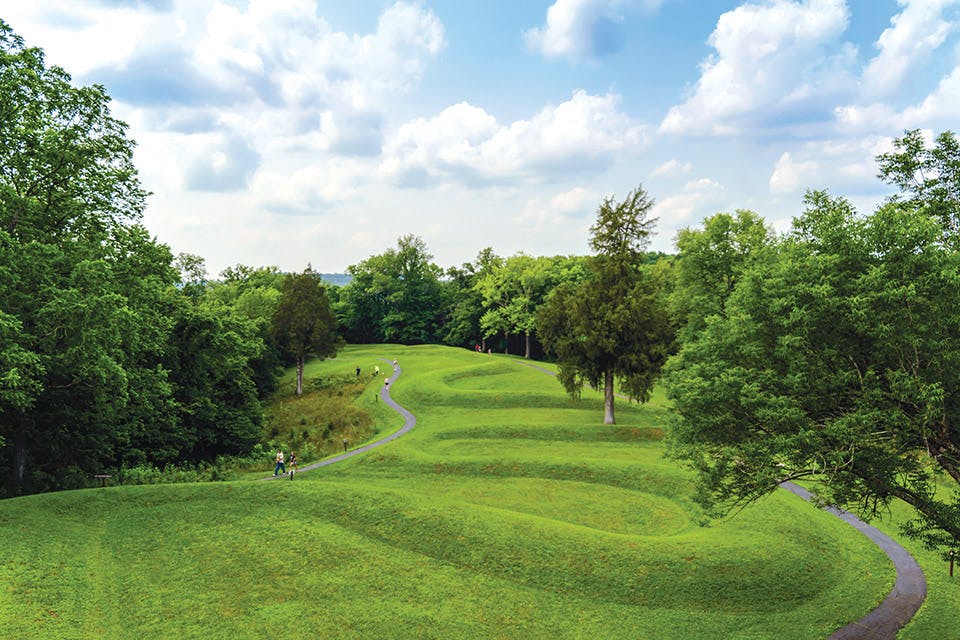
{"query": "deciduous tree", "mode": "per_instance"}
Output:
(835, 360)
(303, 322)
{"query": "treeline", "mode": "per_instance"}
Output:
(402, 296)
(113, 353)
(829, 352)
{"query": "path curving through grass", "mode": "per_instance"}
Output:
(903, 601)
(409, 422)
(882, 623)
(908, 593)
(508, 512)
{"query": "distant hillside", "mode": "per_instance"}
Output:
(338, 279)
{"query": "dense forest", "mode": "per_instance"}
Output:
(826, 351)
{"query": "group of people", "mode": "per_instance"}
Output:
(281, 469)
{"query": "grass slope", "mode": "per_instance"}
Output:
(509, 512)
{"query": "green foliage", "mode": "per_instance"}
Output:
(394, 297)
(712, 261)
(315, 424)
(614, 325)
(103, 363)
(303, 321)
(462, 324)
(928, 177)
(833, 359)
(68, 165)
(513, 291)
(572, 533)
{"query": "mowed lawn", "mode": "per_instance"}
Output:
(509, 512)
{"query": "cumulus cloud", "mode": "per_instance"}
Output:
(311, 188)
(672, 167)
(696, 198)
(841, 165)
(942, 104)
(774, 64)
(307, 62)
(562, 208)
(583, 28)
(915, 32)
(465, 143)
(791, 176)
(222, 163)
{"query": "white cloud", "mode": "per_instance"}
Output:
(696, 198)
(941, 105)
(914, 33)
(78, 36)
(854, 118)
(672, 167)
(775, 63)
(292, 51)
(221, 162)
(791, 176)
(561, 209)
(466, 143)
(843, 165)
(582, 28)
(310, 189)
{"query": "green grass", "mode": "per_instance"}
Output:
(508, 512)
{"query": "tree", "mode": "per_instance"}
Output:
(462, 320)
(303, 322)
(928, 178)
(67, 164)
(394, 297)
(615, 325)
(835, 360)
(514, 290)
(711, 262)
(81, 290)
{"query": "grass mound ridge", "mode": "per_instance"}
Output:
(443, 533)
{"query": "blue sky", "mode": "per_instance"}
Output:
(282, 132)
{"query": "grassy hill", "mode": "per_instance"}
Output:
(509, 512)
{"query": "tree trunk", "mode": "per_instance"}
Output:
(483, 345)
(19, 464)
(608, 398)
(506, 347)
(300, 360)
(526, 352)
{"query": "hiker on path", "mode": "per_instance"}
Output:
(279, 467)
(293, 463)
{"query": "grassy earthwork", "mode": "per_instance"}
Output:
(508, 512)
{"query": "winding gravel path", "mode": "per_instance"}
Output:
(899, 607)
(409, 422)
(908, 593)
(883, 623)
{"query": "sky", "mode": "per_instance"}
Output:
(288, 132)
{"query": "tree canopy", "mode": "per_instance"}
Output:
(615, 324)
(834, 359)
(303, 322)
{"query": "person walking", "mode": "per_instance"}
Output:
(293, 463)
(279, 468)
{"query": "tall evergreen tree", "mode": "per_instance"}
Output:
(614, 326)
